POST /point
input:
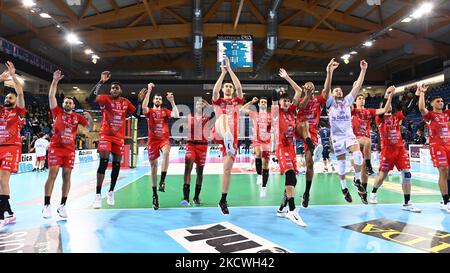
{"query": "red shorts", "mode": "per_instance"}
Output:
(197, 152)
(154, 146)
(10, 157)
(313, 134)
(61, 157)
(264, 146)
(394, 156)
(440, 155)
(287, 158)
(40, 158)
(111, 144)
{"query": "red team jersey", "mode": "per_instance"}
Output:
(262, 123)
(158, 125)
(364, 117)
(284, 135)
(393, 152)
(11, 122)
(229, 104)
(198, 129)
(389, 130)
(439, 131)
(311, 113)
(438, 127)
(114, 113)
(65, 127)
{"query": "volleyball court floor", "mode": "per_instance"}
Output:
(132, 225)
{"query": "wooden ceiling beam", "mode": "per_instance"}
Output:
(210, 13)
(255, 11)
(150, 15)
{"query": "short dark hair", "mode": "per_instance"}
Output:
(70, 98)
(41, 134)
(11, 91)
(157, 94)
(284, 96)
(435, 98)
(264, 98)
(117, 83)
(360, 95)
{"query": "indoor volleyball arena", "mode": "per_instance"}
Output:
(224, 126)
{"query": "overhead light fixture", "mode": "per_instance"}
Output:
(390, 29)
(354, 52)
(75, 87)
(28, 3)
(346, 61)
(94, 61)
(133, 93)
(45, 15)
(345, 56)
(369, 87)
(88, 51)
(368, 43)
(72, 38)
(407, 20)
(58, 26)
(423, 9)
(95, 56)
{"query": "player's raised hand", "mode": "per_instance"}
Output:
(309, 88)
(332, 65)
(105, 76)
(11, 68)
(227, 63)
(422, 87)
(4, 76)
(255, 100)
(282, 73)
(223, 67)
(363, 64)
(390, 90)
(57, 76)
(142, 94)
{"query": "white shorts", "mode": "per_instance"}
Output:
(342, 142)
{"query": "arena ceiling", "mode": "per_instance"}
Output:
(142, 37)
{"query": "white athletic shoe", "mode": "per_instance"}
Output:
(97, 202)
(110, 198)
(282, 213)
(62, 211)
(445, 208)
(47, 212)
(259, 180)
(411, 208)
(295, 217)
(185, 203)
(317, 153)
(373, 198)
(262, 192)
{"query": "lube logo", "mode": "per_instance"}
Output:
(222, 238)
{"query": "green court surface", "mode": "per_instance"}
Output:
(325, 190)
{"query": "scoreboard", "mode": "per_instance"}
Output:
(239, 49)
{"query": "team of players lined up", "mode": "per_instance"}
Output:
(288, 120)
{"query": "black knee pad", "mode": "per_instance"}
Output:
(103, 165)
(291, 180)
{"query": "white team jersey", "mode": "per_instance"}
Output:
(41, 145)
(340, 115)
